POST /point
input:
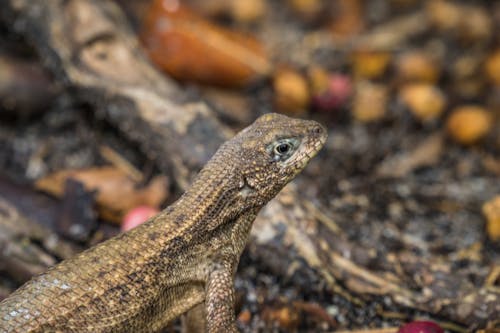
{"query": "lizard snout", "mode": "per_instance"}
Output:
(319, 131)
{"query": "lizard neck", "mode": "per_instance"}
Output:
(215, 194)
(241, 230)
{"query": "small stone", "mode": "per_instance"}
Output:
(491, 211)
(417, 66)
(468, 124)
(370, 101)
(426, 102)
(332, 310)
(291, 92)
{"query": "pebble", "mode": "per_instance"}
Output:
(468, 124)
(425, 101)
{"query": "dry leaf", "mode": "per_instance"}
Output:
(191, 48)
(116, 193)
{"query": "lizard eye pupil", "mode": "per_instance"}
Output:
(283, 148)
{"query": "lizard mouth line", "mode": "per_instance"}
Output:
(308, 151)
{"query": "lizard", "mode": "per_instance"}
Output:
(184, 257)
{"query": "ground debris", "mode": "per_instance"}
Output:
(389, 224)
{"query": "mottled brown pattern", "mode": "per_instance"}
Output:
(184, 256)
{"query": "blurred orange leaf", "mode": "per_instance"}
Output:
(190, 48)
(116, 193)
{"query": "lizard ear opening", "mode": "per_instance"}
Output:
(245, 188)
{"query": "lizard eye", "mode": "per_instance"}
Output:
(283, 149)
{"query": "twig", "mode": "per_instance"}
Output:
(121, 163)
(322, 217)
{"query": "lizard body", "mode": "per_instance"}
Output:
(185, 256)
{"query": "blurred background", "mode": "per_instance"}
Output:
(399, 215)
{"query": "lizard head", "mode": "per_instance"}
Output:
(273, 150)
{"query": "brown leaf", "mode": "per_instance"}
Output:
(192, 49)
(116, 191)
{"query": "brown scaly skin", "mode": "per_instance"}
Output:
(141, 280)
